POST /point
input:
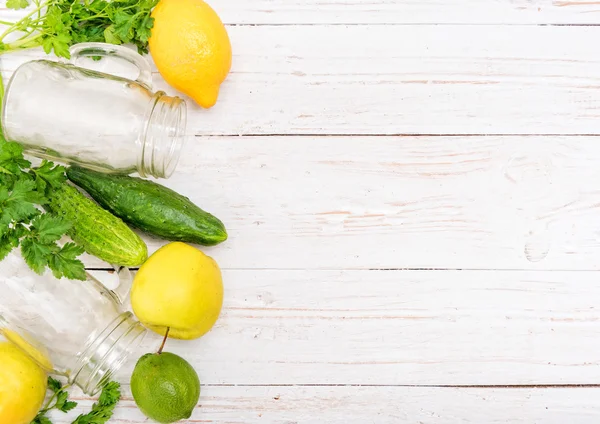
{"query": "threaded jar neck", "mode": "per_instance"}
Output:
(107, 353)
(163, 136)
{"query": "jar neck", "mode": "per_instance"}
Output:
(163, 136)
(107, 353)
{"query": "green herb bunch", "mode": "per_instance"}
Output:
(57, 24)
(101, 411)
(23, 223)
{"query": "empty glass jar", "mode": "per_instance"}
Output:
(104, 122)
(77, 329)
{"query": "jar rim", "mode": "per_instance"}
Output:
(163, 137)
(107, 353)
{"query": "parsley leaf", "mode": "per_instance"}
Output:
(64, 264)
(41, 419)
(48, 174)
(71, 251)
(39, 248)
(11, 158)
(102, 411)
(62, 402)
(59, 401)
(8, 242)
(144, 30)
(54, 384)
(19, 203)
(124, 25)
(36, 255)
(59, 43)
(17, 4)
(111, 394)
(22, 191)
(110, 35)
(67, 22)
(68, 406)
(50, 228)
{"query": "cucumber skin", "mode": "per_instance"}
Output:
(151, 207)
(96, 230)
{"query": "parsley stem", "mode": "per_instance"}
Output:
(89, 18)
(1, 96)
(24, 43)
(47, 407)
(101, 14)
(16, 27)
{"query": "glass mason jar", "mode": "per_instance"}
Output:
(70, 114)
(77, 329)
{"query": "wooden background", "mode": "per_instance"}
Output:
(411, 192)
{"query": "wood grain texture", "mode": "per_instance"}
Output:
(377, 12)
(397, 202)
(399, 328)
(403, 80)
(379, 405)
(320, 324)
(408, 79)
(407, 11)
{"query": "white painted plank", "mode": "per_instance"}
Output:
(408, 79)
(419, 79)
(407, 11)
(397, 202)
(394, 328)
(399, 328)
(393, 405)
(279, 12)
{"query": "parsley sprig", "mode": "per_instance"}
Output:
(57, 24)
(23, 223)
(101, 411)
(58, 401)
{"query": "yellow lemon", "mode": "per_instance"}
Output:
(22, 386)
(37, 353)
(178, 287)
(191, 48)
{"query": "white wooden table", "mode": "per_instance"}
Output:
(412, 192)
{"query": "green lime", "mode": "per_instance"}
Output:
(165, 387)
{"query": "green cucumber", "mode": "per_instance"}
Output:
(96, 230)
(151, 207)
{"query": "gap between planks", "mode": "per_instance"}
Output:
(398, 24)
(111, 270)
(427, 386)
(381, 135)
(422, 386)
